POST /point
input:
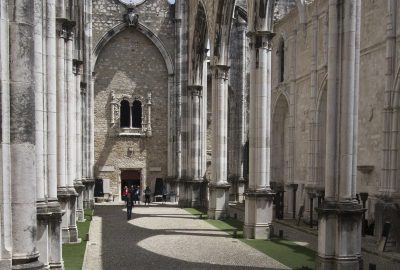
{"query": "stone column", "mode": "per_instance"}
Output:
(238, 83)
(39, 68)
(148, 124)
(71, 131)
(5, 161)
(62, 191)
(87, 78)
(339, 234)
(219, 187)
(22, 135)
(203, 134)
(259, 196)
(55, 260)
(181, 82)
(79, 187)
(193, 183)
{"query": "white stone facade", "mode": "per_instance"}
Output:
(292, 103)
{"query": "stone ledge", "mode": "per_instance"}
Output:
(340, 208)
(212, 185)
(267, 193)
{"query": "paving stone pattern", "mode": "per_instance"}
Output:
(165, 237)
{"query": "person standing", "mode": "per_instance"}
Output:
(124, 194)
(136, 193)
(129, 205)
(147, 194)
(164, 194)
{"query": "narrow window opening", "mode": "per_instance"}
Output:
(125, 112)
(137, 114)
(282, 62)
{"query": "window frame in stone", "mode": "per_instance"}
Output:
(144, 130)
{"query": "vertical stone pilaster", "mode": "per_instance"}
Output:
(5, 161)
(148, 124)
(70, 90)
(22, 136)
(61, 129)
(181, 19)
(237, 137)
(39, 68)
(79, 187)
(194, 181)
(219, 187)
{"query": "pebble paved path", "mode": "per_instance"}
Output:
(165, 237)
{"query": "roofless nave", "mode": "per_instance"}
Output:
(276, 105)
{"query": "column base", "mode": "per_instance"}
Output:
(339, 235)
(329, 264)
(65, 235)
(88, 201)
(219, 201)
(56, 261)
(35, 265)
(73, 234)
(5, 264)
(67, 197)
(57, 266)
(258, 214)
(173, 184)
(237, 189)
(194, 195)
(79, 187)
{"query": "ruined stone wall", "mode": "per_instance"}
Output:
(131, 64)
(157, 15)
(297, 85)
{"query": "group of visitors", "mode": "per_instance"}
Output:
(132, 196)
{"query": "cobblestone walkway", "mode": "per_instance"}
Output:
(165, 237)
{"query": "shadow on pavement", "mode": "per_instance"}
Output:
(120, 238)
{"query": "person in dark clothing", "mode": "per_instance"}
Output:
(147, 194)
(129, 205)
(164, 194)
(136, 193)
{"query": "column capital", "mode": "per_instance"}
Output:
(77, 65)
(220, 71)
(195, 90)
(60, 28)
(261, 39)
(69, 28)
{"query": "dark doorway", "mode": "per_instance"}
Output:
(129, 178)
(158, 188)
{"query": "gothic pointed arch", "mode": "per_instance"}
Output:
(320, 147)
(198, 46)
(279, 141)
(142, 29)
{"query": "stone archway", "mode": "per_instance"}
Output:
(280, 152)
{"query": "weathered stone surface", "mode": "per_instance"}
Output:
(131, 64)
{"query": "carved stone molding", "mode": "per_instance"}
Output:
(115, 110)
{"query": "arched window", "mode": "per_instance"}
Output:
(125, 114)
(281, 55)
(137, 114)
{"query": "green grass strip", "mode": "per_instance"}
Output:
(73, 254)
(284, 251)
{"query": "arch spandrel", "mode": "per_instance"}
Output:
(114, 31)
